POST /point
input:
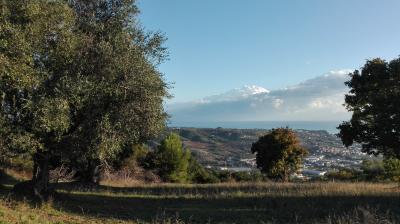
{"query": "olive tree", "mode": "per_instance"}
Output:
(78, 81)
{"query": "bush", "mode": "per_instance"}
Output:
(379, 170)
(392, 169)
(198, 174)
(344, 174)
(243, 176)
(224, 176)
(137, 156)
(373, 170)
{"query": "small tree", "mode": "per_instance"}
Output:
(279, 154)
(172, 159)
(374, 100)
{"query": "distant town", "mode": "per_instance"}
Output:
(229, 149)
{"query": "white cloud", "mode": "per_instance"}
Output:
(277, 103)
(236, 94)
(320, 98)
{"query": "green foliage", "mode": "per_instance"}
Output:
(373, 170)
(134, 156)
(387, 169)
(34, 51)
(392, 168)
(224, 176)
(172, 159)
(198, 174)
(279, 154)
(253, 176)
(241, 176)
(78, 80)
(343, 174)
(374, 100)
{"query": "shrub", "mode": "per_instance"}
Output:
(344, 174)
(392, 169)
(243, 176)
(373, 170)
(172, 159)
(198, 174)
(224, 176)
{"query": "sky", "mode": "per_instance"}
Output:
(219, 45)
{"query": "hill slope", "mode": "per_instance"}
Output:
(231, 147)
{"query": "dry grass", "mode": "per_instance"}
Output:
(319, 202)
(22, 212)
(228, 190)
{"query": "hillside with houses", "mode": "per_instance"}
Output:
(229, 149)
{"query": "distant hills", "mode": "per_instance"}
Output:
(219, 147)
(318, 99)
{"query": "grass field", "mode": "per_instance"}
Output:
(219, 203)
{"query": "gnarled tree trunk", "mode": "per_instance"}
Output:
(41, 175)
(38, 187)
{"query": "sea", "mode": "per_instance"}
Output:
(329, 126)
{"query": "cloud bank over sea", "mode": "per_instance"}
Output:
(317, 99)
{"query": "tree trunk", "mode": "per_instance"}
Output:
(91, 174)
(40, 179)
(38, 188)
(285, 177)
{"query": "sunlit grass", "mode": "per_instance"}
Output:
(263, 202)
(227, 190)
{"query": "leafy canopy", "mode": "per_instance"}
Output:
(374, 100)
(78, 79)
(279, 154)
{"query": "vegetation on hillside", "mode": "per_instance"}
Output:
(279, 154)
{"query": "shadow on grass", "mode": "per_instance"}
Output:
(161, 190)
(147, 204)
(275, 209)
(6, 179)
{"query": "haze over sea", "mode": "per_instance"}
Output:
(329, 126)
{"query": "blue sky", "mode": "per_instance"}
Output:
(218, 45)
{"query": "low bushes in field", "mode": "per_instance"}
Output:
(344, 174)
(371, 170)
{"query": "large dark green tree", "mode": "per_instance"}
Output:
(374, 100)
(122, 59)
(279, 153)
(78, 82)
